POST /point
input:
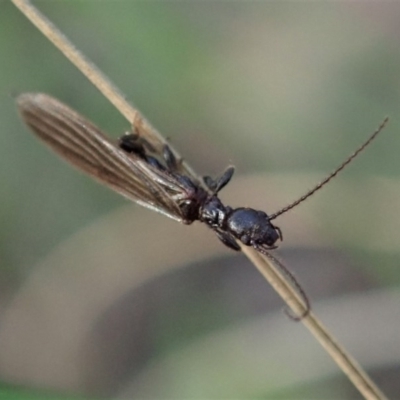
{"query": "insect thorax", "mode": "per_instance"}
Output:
(213, 212)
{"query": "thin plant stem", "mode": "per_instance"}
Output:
(343, 359)
(266, 267)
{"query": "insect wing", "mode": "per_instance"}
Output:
(82, 144)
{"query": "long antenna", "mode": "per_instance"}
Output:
(333, 174)
(296, 285)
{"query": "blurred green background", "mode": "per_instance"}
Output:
(102, 298)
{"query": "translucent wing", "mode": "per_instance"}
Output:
(83, 145)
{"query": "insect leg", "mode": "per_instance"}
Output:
(170, 159)
(210, 183)
(228, 240)
(131, 144)
(279, 231)
(215, 185)
(224, 179)
(293, 280)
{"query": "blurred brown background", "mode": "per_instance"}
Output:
(103, 298)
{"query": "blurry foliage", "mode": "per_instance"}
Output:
(13, 393)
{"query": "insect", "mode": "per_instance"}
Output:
(156, 178)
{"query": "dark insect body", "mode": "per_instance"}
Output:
(153, 177)
(251, 227)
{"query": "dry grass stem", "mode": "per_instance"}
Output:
(343, 359)
(279, 282)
